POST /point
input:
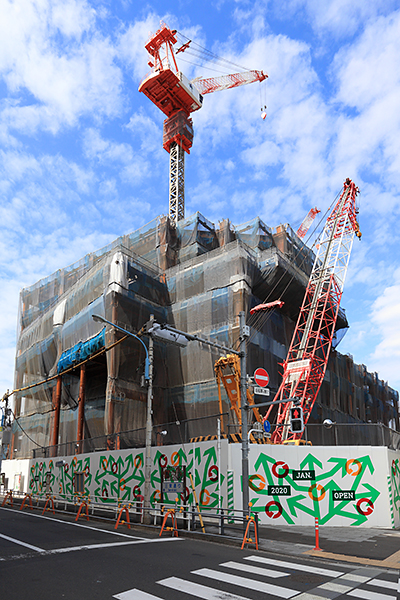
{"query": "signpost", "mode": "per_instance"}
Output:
(267, 426)
(173, 481)
(261, 391)
(261, 377)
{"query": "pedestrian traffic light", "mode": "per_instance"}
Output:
(296, 419)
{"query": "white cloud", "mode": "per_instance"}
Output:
(57, 76)
(339, 17)
(105, 151)
(369, 90)
(132, 42)
(385, 317)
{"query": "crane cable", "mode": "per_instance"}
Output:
(262, 318)
(200, 53)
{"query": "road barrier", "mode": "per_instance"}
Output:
(184, 516)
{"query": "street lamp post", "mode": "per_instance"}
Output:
(244, 334)
(149, 427)
(148, 375)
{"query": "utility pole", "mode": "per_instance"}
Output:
(149, 426)
(244, 334)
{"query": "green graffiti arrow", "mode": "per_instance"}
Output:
(190, 463)
(310, 461)
(365, 463)
(372, 493)
(265, 462)
(295, 503)
(155, 478)
(340, 464)
(129, 461)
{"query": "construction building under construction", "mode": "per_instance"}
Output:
(197, 278)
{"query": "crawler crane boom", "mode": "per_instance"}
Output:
(305, 365)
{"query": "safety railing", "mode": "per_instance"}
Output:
(225, 522)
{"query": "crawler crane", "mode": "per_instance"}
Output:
(305, 365)
(177, 97)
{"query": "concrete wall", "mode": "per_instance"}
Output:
(370, 474)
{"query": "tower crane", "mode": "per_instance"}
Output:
(305, 365)
(177, 97)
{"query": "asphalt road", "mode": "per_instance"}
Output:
(51, 557)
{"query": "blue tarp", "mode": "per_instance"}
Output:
(81, 351)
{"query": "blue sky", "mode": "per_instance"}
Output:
(81, 158)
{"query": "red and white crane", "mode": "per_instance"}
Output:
(306, 224)
(177, 97)
(305, 365)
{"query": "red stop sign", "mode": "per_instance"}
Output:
(261, 377)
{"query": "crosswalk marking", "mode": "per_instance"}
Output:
(20, 543)
(339, 584)
(296, 566)
(197, 590)
(252, 569)
(251, 584)
(367, 595)
(392, 585)
(135, 595)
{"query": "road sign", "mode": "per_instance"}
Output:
(267, 426)
(261, 391)
(261, 377)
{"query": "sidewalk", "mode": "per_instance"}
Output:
(375, 547)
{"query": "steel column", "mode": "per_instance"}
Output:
(176, 182)
(81, 411)
(149, 429)
(56, 423)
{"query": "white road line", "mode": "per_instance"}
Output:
(109, 545)
(252, 584)
(197, 590)
(31, 514)
(252, 569)
(297, 567)
(392, 585)
(14, 541)
(336, 586)
(135, 594)
(366, 595)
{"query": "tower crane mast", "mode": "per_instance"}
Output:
(177, 97)
(305, 365)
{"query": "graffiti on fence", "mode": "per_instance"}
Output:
(339, 488)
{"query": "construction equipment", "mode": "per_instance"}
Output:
(227, 372)
(177, 98)
(306, 224)
(305, 365)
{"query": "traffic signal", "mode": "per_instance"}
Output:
(296, 419)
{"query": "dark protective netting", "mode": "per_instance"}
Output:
(196, 278)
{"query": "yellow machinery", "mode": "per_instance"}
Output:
(227, 372)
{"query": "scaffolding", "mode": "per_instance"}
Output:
(197, 278)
